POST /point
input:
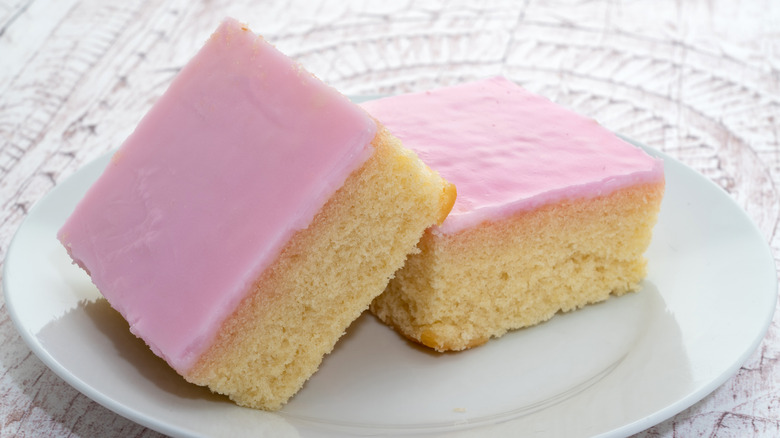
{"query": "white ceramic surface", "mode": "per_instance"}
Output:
(610, 369)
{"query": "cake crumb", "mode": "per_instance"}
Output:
(459, 410)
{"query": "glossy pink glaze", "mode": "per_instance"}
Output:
(241, 151)
(507, 150)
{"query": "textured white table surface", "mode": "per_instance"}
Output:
(699, 80)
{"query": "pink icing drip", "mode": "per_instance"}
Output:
(507, 150)
(240, 152)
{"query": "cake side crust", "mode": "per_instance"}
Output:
(324, 278)
(462, 289)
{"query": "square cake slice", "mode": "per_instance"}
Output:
(252, 215)
(553, 212)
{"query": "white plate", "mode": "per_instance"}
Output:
(612, 369)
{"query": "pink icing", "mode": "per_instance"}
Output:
(241, 151)
(507, 150)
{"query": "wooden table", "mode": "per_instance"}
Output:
(699, 80)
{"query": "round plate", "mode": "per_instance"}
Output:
(610, 369)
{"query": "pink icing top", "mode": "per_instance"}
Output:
(241, 151)
(507, 150)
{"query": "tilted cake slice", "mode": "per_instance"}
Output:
(553, 212)
(252, 215)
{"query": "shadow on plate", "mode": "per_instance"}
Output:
(101, 329)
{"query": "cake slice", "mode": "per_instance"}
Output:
(553, 212)
(252, 215)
